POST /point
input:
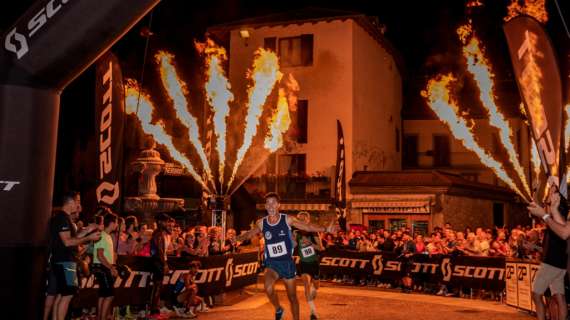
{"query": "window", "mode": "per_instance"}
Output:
(410, 151)
(270, 43)
(293, 164)
(441, 151)
(296, 51)
(292, 182)
(420, 227)
(374, 225)
(397, 224)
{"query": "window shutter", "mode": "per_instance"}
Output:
(307, 49)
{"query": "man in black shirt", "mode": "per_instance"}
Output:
(554, 259)
(64, 242)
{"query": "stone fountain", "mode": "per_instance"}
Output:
(148, 202)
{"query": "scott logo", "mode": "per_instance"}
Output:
(344, 262)
(8, 185)
(377, 264)
(18, 43)
(446, 269)
(238, 271)
(105, 136)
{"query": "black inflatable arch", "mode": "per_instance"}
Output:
(48, 47)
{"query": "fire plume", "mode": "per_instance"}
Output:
(176, 90)
(280, 122)
(533, 8)
(445, 107)
(135, 97)
(480, 68)
(219, 96)
(265, 74)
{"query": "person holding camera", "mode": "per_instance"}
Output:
(63, 246)
(104, 266)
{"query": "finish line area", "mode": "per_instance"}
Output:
(365, 303)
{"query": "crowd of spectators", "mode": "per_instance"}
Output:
(519, 242)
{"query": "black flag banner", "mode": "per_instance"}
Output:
(109, 117)
(340, 178)
(538, 78)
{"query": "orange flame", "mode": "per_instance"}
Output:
(144, 115)
(176, 90)
(446, 109)
(265, 74)
(480, 68)
(280, 122)
(219, 95)
(533, 8)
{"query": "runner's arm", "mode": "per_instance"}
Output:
(562, 230)
(309, 227)
(250, 233)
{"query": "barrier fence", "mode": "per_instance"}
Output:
(229, 272)
(216, 275)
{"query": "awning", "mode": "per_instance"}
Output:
(299, 206)
(405, 207)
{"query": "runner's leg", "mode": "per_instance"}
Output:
(291, 287)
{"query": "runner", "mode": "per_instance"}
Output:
(278, 251)
(308, 245)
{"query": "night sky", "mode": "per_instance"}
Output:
(422, 31)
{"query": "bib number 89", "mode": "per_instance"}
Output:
(277, 249)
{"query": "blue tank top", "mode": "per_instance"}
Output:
(278, 239)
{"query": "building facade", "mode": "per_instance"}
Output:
(346, 71)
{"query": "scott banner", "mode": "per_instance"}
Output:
(467, 271)
(538, 78)
(216, 275)
(340, 178)
(110, 113)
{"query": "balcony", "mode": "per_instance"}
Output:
(291, 188)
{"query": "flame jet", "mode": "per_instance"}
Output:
(176, 89)
(265, 74)
(219, 96)
(135, 97)
(480, 68)
(445, 107)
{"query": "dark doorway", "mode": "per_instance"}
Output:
(498, 214)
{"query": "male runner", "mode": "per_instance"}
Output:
(278, 251)
(308, 245)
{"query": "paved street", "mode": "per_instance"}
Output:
(366, 304)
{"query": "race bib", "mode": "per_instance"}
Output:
(308, 252)
(277, 249)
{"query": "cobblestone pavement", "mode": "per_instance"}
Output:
(351, 303)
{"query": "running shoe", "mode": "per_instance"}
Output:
(279, 314)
